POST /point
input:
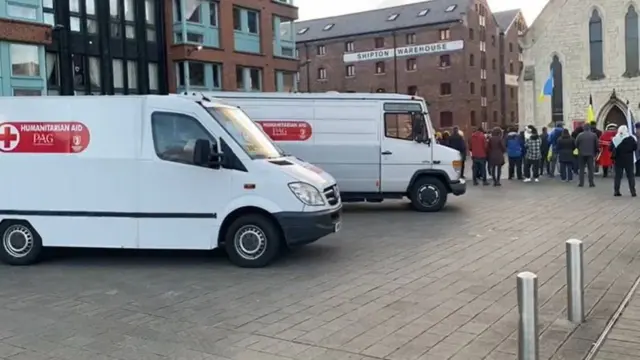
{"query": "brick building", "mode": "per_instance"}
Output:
(231, 45)
(454, 53)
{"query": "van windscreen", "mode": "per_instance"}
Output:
(245, 132)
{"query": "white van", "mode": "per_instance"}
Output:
(152, 172)
(377, 146)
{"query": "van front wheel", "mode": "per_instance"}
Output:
(252, 241)
(428, 194)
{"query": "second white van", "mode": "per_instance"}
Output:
(377, 146)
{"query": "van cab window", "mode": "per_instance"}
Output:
(175, 135)
(398, 126)
(245, 132)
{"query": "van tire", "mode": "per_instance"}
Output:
(20, 243)
(430, 187)
(259, 248)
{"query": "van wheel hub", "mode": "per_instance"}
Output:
(17, 241)
(428, 195)
(250, 242)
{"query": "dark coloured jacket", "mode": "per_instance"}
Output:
(478, 145)
(496, 150)
(623, 153)
(552, 139)
(587, 144)
(457, 142)
(514, 145)
(564, 149)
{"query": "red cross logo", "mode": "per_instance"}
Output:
(9, 137)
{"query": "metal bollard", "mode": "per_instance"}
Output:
(575, 281)
(528, 348)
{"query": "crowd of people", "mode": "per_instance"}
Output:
(531, 154)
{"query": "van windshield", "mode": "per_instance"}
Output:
(245, 132)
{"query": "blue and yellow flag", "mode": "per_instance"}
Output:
(591, 116)
(547, 89)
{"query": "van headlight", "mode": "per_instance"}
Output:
(307, 193)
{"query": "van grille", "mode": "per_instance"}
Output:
(332, 194)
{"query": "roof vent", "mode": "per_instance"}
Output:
(451, 8)
(392, 17)
(328, 27)
(302, 31)
(423, 12)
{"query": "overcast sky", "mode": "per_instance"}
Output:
(312, 9)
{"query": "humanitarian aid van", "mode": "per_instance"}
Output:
(153, 172)
(377, 146)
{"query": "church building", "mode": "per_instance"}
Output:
(590, 48)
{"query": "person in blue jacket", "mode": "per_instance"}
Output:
(515, 147)
(554, 136)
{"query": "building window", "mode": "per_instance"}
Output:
(253, 22)
(513, 117)
(411, 39)
(493, 40)
(118, 15)
(557, 101)
(423, 12)
(412, 65)
(493, 64)
(510, 47)
(154, 77)
(213, 13)
(321, 50)
(237, 19)
(398, 126)
(196, 74)
(495, 116)
(512, 93)
(192, 9)
(248, 78)
(285, 81)
(595, 47)
(472, 88)
(392, 17)
(150, 18)
(511, 70)
(349, 46)
(379, 42)
(631, 43)
(27, 92)
(445, 34)
(327, 27)
(446, 119)
(472, 60)
(53, 74)
(24, 60)
(445, 89)
(351, 70)
(472, 118)
(322, 74)
(445, 61)
(471, 35)
(412, 90)
(483, 89)
(132, 76)
(450, 8)
(22, 12)
(380, 67)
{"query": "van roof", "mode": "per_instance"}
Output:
(305, 96)
(110, 98)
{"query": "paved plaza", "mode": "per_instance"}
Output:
(394, 284)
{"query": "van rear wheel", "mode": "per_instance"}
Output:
(21, 244)
(428, 194)
(252, 241)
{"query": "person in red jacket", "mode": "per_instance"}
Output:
(604, 157)
(478, 149)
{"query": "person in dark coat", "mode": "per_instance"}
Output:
(624, 147)
(637, 126)
(445, 139)
(577, 131)
(565, 147)
(544, 148)
(588, 147)
(495, 155)
(456, 141)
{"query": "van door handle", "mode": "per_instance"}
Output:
(387, 152)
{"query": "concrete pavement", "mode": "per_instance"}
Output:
(394, 284)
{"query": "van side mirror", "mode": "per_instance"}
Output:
(418, 126)
(202, 152)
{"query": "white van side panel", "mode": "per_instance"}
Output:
(102, 178)
(345, 139)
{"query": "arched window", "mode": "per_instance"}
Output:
(557, 105)
(595, 47)
(472, 88)
(631, 43)
(472, 117)
(472, 60)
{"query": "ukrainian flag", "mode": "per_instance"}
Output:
(591, 116)
(547, 89)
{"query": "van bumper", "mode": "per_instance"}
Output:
(306, 227)
(458, 187)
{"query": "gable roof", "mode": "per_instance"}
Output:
(506, 18)
(378, 20)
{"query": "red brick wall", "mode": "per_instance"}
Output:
(25, 32)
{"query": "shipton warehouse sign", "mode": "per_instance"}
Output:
(412, 50)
